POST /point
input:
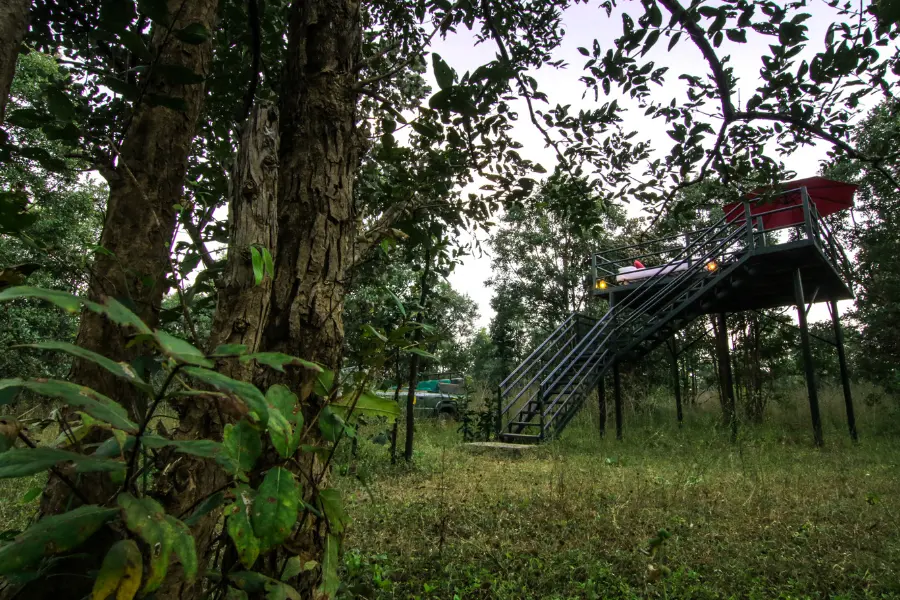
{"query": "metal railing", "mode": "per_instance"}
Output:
(520, 387)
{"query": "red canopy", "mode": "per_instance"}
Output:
(828, 196)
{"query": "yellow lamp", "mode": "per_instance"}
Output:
(712, 266)
(600, 284)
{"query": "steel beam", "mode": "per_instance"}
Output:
(808, 359)
(845, 375)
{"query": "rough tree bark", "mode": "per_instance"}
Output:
(13, 25)
(241, 312)
(145, 181)
(317, 227)
(243, 307)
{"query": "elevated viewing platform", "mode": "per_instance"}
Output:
(755, 249)
(772, 249)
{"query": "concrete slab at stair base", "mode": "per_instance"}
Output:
(499, 448)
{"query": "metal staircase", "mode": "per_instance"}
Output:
(539, 398)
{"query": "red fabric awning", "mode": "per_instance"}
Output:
(828, 195)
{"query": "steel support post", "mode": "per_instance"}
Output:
(845, 375)
(808, 358)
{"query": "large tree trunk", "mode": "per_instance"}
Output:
(13, 25)
(145, 182)
(241, 312)
(243, 307)
(316, 221)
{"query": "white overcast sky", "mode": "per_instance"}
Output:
(583, 23)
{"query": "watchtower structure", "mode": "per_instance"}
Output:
(772, 249)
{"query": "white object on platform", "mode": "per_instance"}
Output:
(627, 274)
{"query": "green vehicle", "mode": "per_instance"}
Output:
(434, 397)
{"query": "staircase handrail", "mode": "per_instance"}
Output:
(534, 378)
(645, 286)
(542, 347)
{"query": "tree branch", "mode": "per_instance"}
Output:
(698, 36)
(255, 54)
(195, 232)
(403, 64)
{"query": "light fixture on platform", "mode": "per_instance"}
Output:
(712, 266)
(600, 284)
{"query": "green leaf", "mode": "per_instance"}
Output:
(257, 583)
(443, 74)
(28, 118)
(119, 369)
(147, 519)
(229, 350)
(195, 33)
(374, 332)
(122, 88)
(112, 448)
(179, 75)
(32, 495)
(292, 568)
(421, 353)
(201, 448)
(59, 105)
(121, 571)
(156, 10)
(324, 383)
(330, 564)
(135, 44)
(184, 547)
(398, 302)
(64, 300)
(242, 390)
(331, 424)
(53, 535)
(243, 444)
(93, 403)
(205, 507)
(368, 404)
(116, 15)
(119, 313)
(268, 263)
(331, 504)
(21, 462)
(282, 404)
(257, 262)
(180, 350)
(239, 529)
(737, 35)
(278, 360)
(275, 508)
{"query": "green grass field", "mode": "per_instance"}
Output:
(767, 517)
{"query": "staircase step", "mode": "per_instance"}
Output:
(523, 438)
(525, 423)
